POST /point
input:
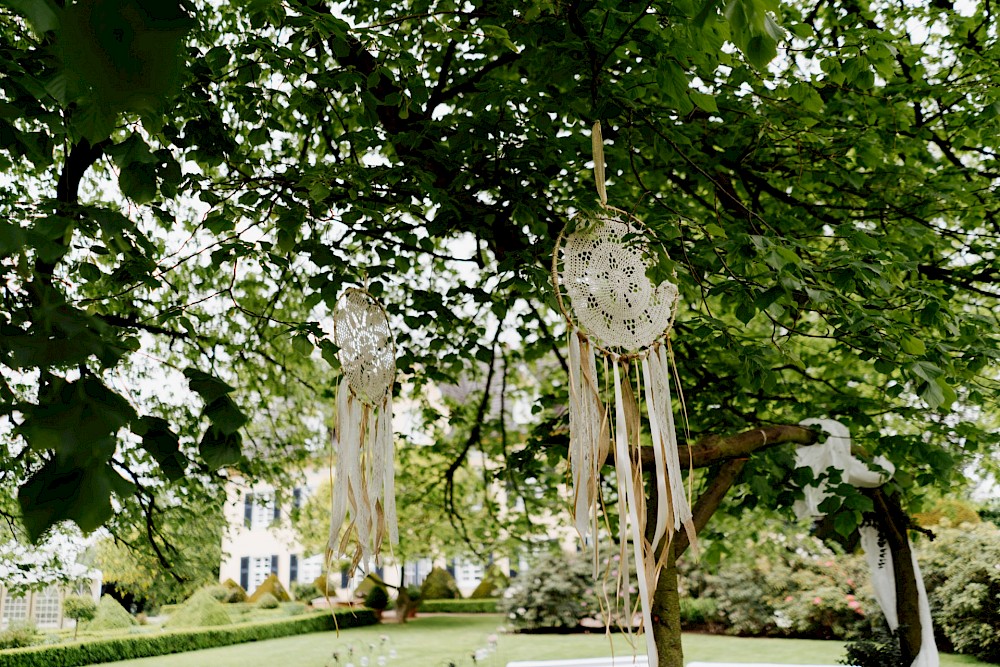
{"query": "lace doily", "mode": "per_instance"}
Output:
(604, 267)
(367, 354)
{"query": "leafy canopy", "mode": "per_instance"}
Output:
(175, 226)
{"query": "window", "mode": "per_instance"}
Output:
(467, 573)
(48, 608)
(15, 609)
(260, 569)
(262, 513)
(310, 568)
(417, 571)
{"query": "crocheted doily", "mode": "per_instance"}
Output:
(604, 274)
(361, 331)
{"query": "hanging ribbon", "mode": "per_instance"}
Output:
(598, 146)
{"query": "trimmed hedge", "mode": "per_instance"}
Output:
(273, 586)
(202, 610)
(129, 647)
(481, 606)
(439, 585)
(111, 616)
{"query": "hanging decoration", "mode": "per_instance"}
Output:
(601, 271)
(835, 453)
(365, 478)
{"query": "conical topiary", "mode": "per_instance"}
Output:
(236, 592)
(111, 616)
(201, 610)
(439, 585)
(273, 586)
(368, 584)
(494, 583)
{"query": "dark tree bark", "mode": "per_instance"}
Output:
(892, 523)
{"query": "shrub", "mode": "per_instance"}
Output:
(367, 585)
(79, 608)
(324, 586)
(219, 592)
(963, 586)
(879, 650)
(113, 649)
(236, 593)
(294, 608)
(273, 586)
(439, 585)
(377, 599)
(494, 583)
(19, 635)
(111, 616)
(949, 512)
(556, 594)
(696, 612)
(267, 601)
(305, 591)
(470, 606)
(798, 588)
(201, 610)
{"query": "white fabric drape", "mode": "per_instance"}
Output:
(835, 452)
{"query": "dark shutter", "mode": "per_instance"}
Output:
(277, 509)
(451, 567)
(293, 568)
(297, 498)
(343, 577)
(274, 565)
(245, 572)
(248, 510)
(379, 571)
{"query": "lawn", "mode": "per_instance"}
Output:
(437, 641)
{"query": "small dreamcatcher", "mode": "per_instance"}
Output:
(365, 475)
(600, 270)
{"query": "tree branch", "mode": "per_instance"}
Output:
(716, 449)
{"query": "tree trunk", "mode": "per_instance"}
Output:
(892, 523)
(666, 610)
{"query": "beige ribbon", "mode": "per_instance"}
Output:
(598, 146)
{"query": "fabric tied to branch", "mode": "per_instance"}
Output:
(835, 452)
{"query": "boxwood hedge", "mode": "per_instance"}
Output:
(480, 606)
(129, 647)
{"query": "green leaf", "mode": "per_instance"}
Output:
(205, 385)
(59, 492)
(219, 449)
(912, 345)
(224, 414)
(302, 345)
(138, 182)
(925, 370)
(760, 51)
(845, 523)
(132, 150)
(704, 101)
(43, 15)
(802, 30)
(162, 444)
(715, 230)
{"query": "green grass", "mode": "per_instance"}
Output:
(436, 641)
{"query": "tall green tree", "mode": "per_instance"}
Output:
(189, 186)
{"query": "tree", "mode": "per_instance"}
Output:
(79, 608)
(823, 189)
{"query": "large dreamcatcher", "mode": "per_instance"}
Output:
(365, 475)
(601, 271)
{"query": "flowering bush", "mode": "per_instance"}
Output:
(961, 571)
(805, 590)
(556, 594)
